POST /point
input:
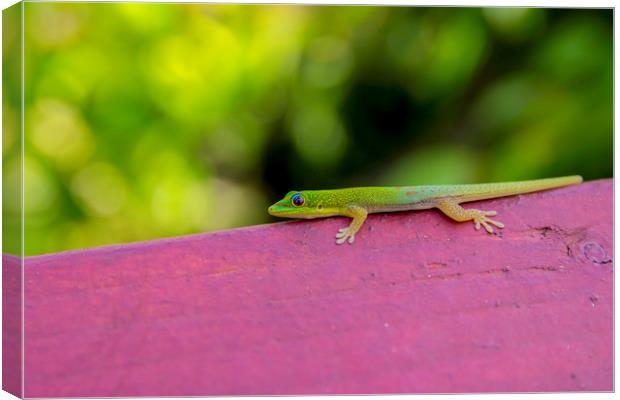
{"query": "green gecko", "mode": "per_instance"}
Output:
(357, 203)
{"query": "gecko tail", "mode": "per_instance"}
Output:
(492, 190)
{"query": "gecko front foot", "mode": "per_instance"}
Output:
(481, 218)
(345, 234)
(359, 216)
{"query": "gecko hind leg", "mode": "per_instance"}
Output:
(454, 210)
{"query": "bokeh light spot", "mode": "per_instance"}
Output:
(235, 203)
(56, 129)
(52, 25)
(459, 44)
(40, 189)
(10, 128)
(329, 62)
(514, 24)
(99, 188)
(318, 135)
(11, 185)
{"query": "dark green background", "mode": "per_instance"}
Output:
(153, 120)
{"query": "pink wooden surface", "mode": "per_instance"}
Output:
(11, 324)
(417, 304)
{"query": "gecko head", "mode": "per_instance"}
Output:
(296, 204)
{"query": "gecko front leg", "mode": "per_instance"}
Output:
(359, 216)
(452, 209)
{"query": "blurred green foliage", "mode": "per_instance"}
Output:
(150, 120)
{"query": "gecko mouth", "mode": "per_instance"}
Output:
(279, 211)
(289, 212)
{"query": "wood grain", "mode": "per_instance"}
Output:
(418, 304)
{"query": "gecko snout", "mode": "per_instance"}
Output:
(274, 210)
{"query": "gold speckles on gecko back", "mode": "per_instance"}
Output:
(371, 198)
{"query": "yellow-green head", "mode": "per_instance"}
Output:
(302, 204)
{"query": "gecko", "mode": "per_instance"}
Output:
(357, 203)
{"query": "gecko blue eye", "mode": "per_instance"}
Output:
(298, 200)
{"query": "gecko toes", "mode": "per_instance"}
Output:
(344, 235)
(487, 227)
(496, 223)
(482, 218)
